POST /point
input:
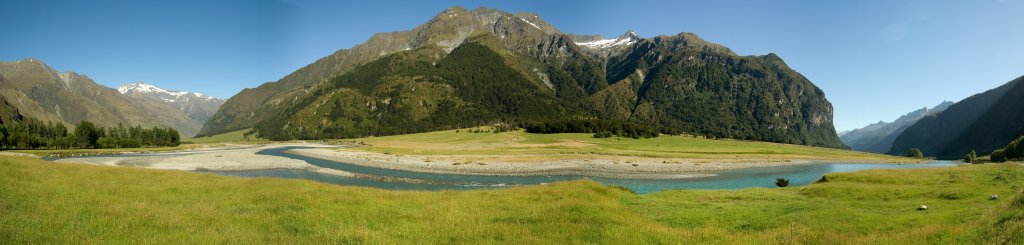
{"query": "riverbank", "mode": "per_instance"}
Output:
(523, 154)
(232, 158)
(596, 166)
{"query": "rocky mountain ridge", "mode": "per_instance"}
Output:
(680, 83)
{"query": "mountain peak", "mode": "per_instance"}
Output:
(631, 35)
(626, 39)
(140, 88)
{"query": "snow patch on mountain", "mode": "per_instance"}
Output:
(163, 94)
(531, 23)
(625, 40)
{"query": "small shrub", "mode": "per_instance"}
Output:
(782, 182)
(971, 157)
(916, 153)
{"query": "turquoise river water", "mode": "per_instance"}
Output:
(408, 180)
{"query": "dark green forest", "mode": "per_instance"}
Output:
(1012, 151)
(600, 128)
(30, 133)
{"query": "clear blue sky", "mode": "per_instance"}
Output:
(875, 59)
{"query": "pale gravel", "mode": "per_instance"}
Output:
(213, 159)
(617, 167)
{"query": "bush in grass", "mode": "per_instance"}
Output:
(914, 152)
(782, 182)
(971, 157)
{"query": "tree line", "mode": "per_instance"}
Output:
(600, 128)
(30, 133)
(1013, 151)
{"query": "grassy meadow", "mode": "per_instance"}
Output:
(71, 152)
(237, 136)
(45, 203)
(520, 144)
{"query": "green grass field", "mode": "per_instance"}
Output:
(576, 146)
(44, 203)
(237, 136)
(69, 152)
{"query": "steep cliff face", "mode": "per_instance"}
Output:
(423, 79)
(982, 122)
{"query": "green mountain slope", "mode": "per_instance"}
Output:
(416, 91)
(525, 32)
(466, 68)
(687, 85)
(983, 122)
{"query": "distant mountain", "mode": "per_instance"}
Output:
(467, 68)
(197, 106)
(878, 137)
(983, 122)
(41, 92)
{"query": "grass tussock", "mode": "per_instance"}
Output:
(44, 203)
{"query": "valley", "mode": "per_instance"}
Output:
(418, 122)
(482, 159)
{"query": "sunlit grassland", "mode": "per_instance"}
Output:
(520, 143)
(68, 152)
(237, 136)
(43, 203)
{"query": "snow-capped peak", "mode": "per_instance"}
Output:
(629, 38)
(139, 88)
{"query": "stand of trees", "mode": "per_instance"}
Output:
(34, 134)
(600, 128)
(915, 152)
(1013, 151)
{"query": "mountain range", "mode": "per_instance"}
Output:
(878, 137)
(38, 91)
(198, 107)
(983, 122)
(467, 68)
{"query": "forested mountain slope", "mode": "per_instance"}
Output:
(466, 68)
(983, 122)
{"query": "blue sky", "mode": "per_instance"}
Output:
(875, 60)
